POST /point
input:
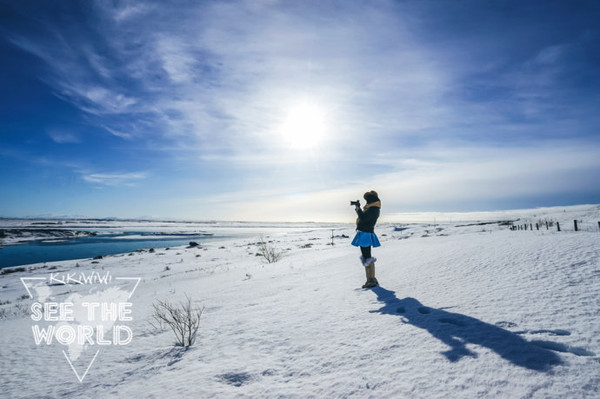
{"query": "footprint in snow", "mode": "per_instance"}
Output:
(235, 379)
(269, 372)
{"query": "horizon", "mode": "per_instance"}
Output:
(275, 111)
(396, 218)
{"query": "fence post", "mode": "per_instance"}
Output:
(531, 226)
(598, 226)
(537, 226)
(575, 222)
(558, 226)
(547, 227)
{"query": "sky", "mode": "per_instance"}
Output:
(267, 110)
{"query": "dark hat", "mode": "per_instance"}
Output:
(371, 196)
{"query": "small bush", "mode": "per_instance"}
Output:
(183, 319)
(270, 253)
(13, 270)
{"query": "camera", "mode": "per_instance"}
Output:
(355, 203)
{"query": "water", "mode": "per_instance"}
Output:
(90, 247)
(124, 236)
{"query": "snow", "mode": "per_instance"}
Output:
(462, 312)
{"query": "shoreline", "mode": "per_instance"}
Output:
(35, 235)
(50, 245)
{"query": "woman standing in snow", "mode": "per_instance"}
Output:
(365, 237)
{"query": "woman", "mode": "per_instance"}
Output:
(365, 235)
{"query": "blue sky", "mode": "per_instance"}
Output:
(286, 110)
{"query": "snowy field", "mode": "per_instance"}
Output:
(464, 310)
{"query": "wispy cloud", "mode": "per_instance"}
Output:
(454, 179)
(125, 11)
(118, 133)
(226, 70)
(114, 179)
(62, 136)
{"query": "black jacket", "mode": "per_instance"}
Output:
(367, 219)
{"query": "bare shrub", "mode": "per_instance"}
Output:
(12, 270)
(270, 253)
(182, 318)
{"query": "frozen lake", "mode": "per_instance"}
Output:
(89, 247)
(115, 237)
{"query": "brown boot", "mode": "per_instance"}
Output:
(368, 273)
(371, 282)
(373, 274)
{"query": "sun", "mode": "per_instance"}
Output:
(304, 126)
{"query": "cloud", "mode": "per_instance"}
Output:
(217, 75)
(177, 59)
(115, 179)
(458, 179)
(118, 133)
(124, 11)
(63, 136)
(230, 68)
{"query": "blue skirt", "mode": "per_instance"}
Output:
(362, 239)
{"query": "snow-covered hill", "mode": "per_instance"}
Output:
(474, 311)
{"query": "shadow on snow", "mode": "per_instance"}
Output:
(457, 330)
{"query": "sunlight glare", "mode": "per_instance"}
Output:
(304, 127)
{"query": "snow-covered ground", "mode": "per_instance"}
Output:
(464, 310)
